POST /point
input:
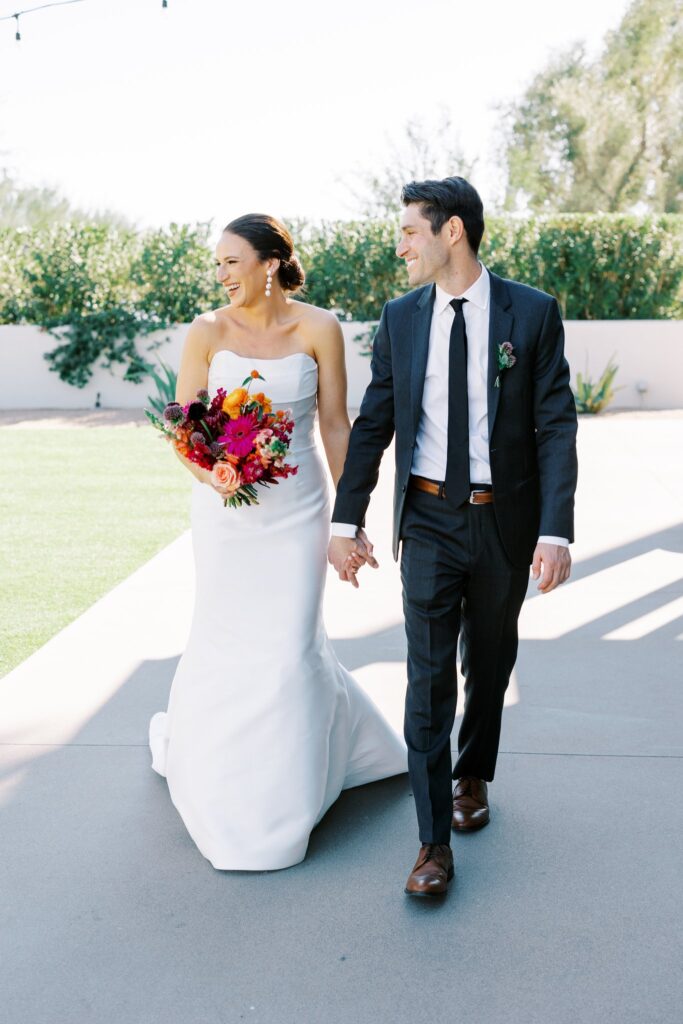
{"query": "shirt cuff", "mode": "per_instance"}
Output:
(561, 542)
(343, 530)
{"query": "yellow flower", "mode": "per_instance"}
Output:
(233, 401)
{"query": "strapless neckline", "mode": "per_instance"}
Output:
(261, 359)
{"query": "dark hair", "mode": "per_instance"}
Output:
(451, 197)
(271, 240)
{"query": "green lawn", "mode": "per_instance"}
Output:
(80, 509)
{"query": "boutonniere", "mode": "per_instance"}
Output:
(506, 360)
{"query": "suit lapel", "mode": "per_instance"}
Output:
(422, 321)
(500, 330)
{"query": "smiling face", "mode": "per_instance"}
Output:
(240, 271)
(426, 255)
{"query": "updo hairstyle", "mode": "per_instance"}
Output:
(271, 240)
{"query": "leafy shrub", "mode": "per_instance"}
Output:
(598, 266)
(175, 275)
(99, 287)
(351, 267)
(13, 284)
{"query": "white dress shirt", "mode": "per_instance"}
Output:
(431, 443)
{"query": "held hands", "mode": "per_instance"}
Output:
(348, 554)
(555, 563)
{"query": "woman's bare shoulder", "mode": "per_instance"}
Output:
(213, 319)
(319, 326)
(207, 328)
(314, 314)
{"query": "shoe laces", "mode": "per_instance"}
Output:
(463, 786)
(431, 848)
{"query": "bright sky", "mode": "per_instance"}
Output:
(213, 108)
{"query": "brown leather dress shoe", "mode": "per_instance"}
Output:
(432, 872)
(470, 804)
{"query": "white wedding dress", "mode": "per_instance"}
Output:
(264, 727)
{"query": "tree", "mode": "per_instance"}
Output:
(423, 152)
(605, 135)
(30, 206)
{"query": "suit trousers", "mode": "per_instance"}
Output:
(457, 583)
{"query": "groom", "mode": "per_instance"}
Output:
(468, 371)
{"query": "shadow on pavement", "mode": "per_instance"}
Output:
(565, 908)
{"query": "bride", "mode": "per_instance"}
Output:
(264, 727)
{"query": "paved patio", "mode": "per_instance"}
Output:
(566, 909)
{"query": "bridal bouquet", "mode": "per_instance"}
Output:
(236, 436)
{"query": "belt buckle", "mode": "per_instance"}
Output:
(472, 494)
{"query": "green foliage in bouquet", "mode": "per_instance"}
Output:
(594, 396)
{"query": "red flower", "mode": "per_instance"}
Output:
(252, 470)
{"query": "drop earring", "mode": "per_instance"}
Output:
(269, 281)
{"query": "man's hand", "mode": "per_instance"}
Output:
(348, 554)
(364, 542)
(555, 562)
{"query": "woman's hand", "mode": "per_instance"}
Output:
(369, 548)
(348, 554)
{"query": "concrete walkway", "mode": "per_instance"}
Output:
(566, 909)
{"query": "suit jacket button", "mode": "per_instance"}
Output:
(404, 488)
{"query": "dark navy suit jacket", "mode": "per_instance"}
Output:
(531, 416)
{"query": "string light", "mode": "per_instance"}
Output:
(30, 10)
(43, 7)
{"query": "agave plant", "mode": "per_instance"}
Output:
(165, 379)
(594, 396)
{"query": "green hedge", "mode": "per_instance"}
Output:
(98, 288)
(351, 267)
(599, 267)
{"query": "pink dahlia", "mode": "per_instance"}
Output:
(240, 435)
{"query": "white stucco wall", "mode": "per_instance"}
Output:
(648, 352)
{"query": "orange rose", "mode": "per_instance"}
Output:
(255, 374)
(233, 401)
(225, 479)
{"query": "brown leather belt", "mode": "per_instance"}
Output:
(420, 483)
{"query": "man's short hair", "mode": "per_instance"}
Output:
(450, 197)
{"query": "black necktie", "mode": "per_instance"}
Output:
(458, 457)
